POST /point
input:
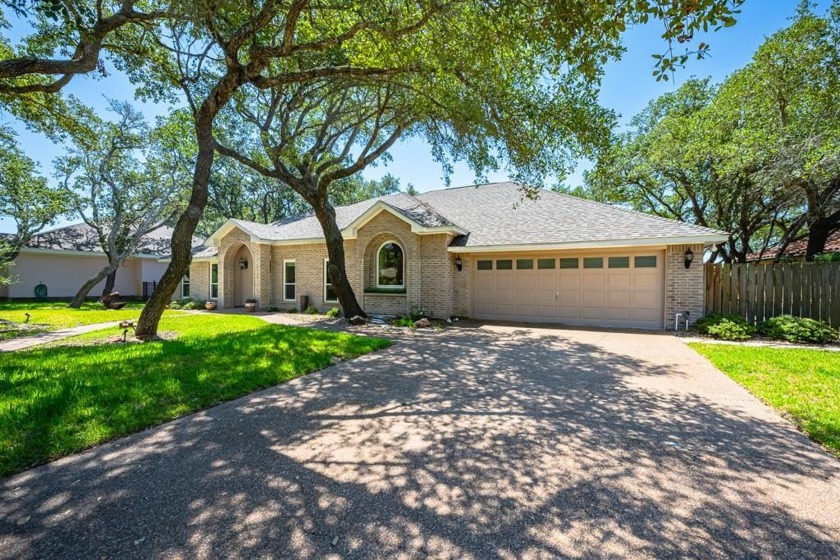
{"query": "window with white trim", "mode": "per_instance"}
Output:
(390, 266)
(289, 282)
(214, 281)
(185, 285)
(329, 291)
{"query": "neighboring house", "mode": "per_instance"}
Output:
(479, 252)
(796, 250)
(63, 259)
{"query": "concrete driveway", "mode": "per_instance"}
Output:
(487, 442)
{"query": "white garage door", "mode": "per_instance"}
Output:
(609, 290)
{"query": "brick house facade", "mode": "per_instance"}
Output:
(639, 282)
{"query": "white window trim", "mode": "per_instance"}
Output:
(326, 276)
(187, 278)
(285, 262)
(393, 286)
(216, 283)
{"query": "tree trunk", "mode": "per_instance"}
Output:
(80, 296)
(181, 246)
(109, 283)
(818, 233)
(337, 270)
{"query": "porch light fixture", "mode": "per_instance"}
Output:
(459, 264)
(243, 264)
(689, 257)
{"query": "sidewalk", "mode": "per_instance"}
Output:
(51, 336)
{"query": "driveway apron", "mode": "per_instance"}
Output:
(484, 442)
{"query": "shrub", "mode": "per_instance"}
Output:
(798, 329)
(273, 309)
(702, 325)
(191, 304)
(726, 329)
(292, 310)
(406, 321)
(416, 313)
(333, 312)
(311, 310)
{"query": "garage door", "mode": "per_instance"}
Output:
(610, 290)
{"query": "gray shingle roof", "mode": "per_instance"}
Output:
(82, 237)
(497, 214)
(307, 227)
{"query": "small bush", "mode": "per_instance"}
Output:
(311, 310)
(333, 312)
(798, 329)
(416, 313)
(704, 323)
(726, 329)
(292, 310)
(404, 322)
(273, 309)
(191, 304)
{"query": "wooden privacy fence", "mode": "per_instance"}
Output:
(759, 291)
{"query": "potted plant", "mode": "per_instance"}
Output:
(250, 305)
(210, 305)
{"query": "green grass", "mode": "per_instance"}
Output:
(803, 383)
(56, 315)
(60, 399)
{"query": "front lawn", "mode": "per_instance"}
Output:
(803, 383)
(54, 315)
(63, 398)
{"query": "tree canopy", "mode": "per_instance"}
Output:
(756, 156)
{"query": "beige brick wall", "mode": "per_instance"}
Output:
(461, 283)
(684, 287)
(200, 281)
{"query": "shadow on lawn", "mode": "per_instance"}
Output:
(472, 444)
(114, 389)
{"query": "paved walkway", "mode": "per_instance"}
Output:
(50, 336)
(486, 442)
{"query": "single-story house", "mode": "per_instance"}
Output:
(65, 258)
(797, 250)
(479, 251)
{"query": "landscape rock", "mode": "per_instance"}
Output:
(357, 320)
(422, 323)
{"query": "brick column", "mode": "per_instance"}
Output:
(685, 288)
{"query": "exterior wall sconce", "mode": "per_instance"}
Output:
(689, 257)
(243, 264)
(459, 264)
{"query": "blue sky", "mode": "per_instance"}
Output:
(627, 87)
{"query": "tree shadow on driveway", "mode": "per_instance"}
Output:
(473, 444)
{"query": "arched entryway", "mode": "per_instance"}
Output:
(241, 265)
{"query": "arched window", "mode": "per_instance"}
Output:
(390, 266)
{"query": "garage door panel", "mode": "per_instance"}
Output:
(619, 280)
(591, 297)
(615, 297)
(619, 297)
(646, 280)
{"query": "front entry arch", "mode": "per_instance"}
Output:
(241, 263)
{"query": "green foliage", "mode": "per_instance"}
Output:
(730, 330)
(827, 257)
(55, 315)
(273, 309)
(25, 196)
(293, 310)
(725, 327)
(416, 313)
(333, 312)
(802, 383)
(798, 329)
(404, 322)
(755, 156)
(61, 399)
(186, 304)
(311, 310)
